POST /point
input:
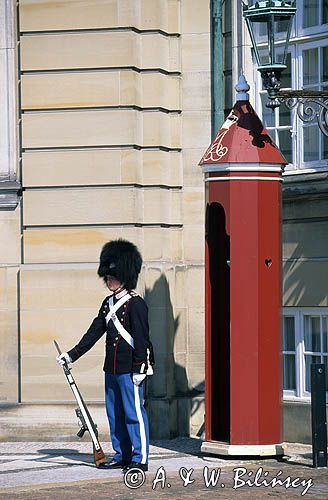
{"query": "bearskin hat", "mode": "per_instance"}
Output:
(121, 259)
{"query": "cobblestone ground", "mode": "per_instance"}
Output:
(42, 471)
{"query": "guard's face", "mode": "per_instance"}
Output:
(112, 283)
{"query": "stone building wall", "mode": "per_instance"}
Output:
(115, 115)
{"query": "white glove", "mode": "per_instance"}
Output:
(138, 378)
(63, 358)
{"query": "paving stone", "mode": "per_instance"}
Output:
(43, 470)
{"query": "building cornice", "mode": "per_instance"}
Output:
(310, 185)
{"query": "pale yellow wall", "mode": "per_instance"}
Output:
(114, 123)
(9, 316)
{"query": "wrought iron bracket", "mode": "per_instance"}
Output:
(310, 105)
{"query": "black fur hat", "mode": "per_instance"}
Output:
(122, 259)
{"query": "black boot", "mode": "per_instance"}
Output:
(113, 464)
(135, 465)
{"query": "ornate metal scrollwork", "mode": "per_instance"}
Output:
(310, 106)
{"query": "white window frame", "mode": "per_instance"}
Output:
(316, 165)
(300, 394)
(312, 30)
(8, 92)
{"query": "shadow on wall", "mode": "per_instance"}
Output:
(171, 401)
(294, 285)
(304, 281)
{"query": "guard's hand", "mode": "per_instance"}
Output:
(138, 378)
(63, 358)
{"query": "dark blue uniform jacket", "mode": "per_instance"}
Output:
(120, 356)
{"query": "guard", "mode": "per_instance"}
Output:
(124, 316)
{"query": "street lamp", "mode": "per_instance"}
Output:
(268, 13)
(263, 16)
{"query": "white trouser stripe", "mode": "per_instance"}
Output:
(141, 424)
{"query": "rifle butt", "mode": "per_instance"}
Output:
(98, 456)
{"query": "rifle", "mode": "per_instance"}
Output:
(82, 413)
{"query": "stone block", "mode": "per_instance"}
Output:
(79, 206)
(181, 330)
(158, 51)
(195, 52)
(130, 88)
(195, 16)
(62, 245)
(161, 167)
(194, 206)
(99, 50)
(164, 15)
(162, 244)
(10, 236)
(162, 206)
(40, 327)
(52, 287)
(192, 172)
(194, 286)
(88, 375)
(9, 381)
(101, 128)
(183, 421)
(70, 90)
(196, 330)
(81, 128)
(131, 166)
(35, 423)
(159, 411)
(8, 288)
(161, 129)
(194, 243)
(67, 15)
(158, 382)
(196, 91)
(156, 243)
(79, 50)
(96, 89)
(69, 168)
(196, 371)
(180, 287)
(157, 287)
(181, 382)
(160, 90)
(174, 17)
(177, 245)
(158, 328)
(174, 416)
(196, 127)
(101, 166)
(197, 417)
(9, 355)
(299, 412)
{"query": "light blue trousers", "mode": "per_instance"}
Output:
(127, 418)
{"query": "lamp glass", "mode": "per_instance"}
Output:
(265, 19)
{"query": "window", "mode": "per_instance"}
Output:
(314, 13)
(305, 341)
(303, 144)
(279, 121)
(314, 77)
